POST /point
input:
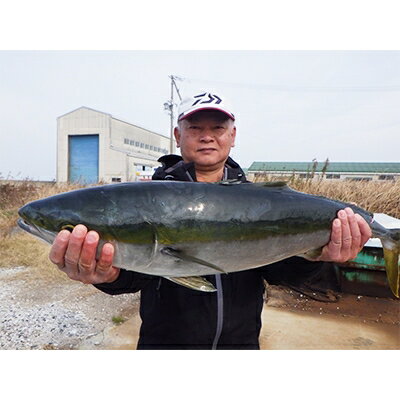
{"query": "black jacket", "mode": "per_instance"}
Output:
(174, 317)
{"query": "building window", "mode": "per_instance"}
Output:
(115, 179)
(359, 178)
(131, 142)
(386, 177)
(141, 145)
(126, 141)
(146, 146)
(332, 176)
(151, 147)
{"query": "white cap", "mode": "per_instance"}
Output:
(204, 100)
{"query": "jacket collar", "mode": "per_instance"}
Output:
(174, 168)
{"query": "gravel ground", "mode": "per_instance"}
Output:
(57, 313)
(36, 314)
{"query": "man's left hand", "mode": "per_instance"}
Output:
(349, 234)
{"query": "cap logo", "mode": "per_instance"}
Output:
(206, 98)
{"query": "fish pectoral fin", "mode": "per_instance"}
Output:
(170, 251)
(311, 254)
(194, 282)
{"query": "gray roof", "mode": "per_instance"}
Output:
(357, 167)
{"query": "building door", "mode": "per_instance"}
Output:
(83, 163)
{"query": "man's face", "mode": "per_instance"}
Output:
(206, 138)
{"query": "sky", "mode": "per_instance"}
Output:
(290, 105)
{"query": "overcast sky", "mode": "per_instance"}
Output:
(290, 105)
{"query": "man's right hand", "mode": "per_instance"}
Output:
(75, 254)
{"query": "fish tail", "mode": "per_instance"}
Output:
(391, 252)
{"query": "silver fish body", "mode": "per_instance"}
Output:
(184, 229)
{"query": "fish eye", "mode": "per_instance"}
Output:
(68, 227)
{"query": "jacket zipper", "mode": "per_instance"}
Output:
(220, 296)
(220, 311)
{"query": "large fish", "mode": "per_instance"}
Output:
(183, 230)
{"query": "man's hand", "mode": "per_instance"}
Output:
(349, 234)
(75, 254)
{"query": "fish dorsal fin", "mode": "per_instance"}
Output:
(193, 282)
(170, 251)
(229, 182)
(277, 184)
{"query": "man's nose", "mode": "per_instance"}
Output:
(206, 135)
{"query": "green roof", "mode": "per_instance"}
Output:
(358, 167)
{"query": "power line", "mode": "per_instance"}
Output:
(300, 88)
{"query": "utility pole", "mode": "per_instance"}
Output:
(169, 106)
(171, 141)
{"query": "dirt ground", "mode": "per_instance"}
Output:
(293, 322)
(62, 314)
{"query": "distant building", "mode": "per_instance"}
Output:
(93, 146)
(335, 170)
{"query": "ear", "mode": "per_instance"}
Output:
(233, 136)
(177, 135)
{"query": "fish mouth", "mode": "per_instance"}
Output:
(43, 234)
(27, 227)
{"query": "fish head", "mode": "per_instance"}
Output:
(46, 217)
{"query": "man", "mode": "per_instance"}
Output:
(175, 317)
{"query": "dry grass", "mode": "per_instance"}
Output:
(374, 196)
(14, 194)
(19, 248)
(24, 250)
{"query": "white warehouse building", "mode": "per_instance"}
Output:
(93, 146)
